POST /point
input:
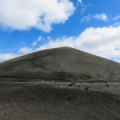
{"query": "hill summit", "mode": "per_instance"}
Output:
(62, 63)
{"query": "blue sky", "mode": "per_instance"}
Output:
(88, 25)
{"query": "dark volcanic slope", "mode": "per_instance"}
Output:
(60, 64)
(42, 101)
(38, 102)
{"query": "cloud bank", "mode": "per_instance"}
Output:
(104, 42)
(25, 50)
(7, 56)
(40, 14)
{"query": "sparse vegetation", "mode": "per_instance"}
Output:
(111, 74)
(107, 85)
(84, 76)
(68, 98)
(86, 88)
(98, 75)
(71, 84)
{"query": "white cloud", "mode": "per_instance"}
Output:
(40, 14)
(84, 7)
(101, 16)
(116, 24)
(86, 18)
(7, 56)
(79, 1)
(65, 41)
(25, 50)
(103, 41)
(117, 17)
(38, 40)
(34, 43)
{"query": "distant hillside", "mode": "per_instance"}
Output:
(60, 64)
